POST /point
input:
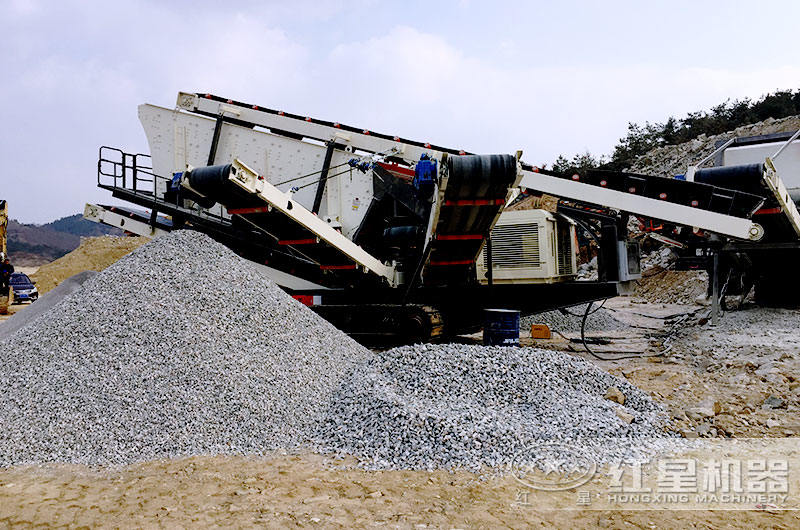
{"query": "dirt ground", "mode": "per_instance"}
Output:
(305, 491)
(714, 382)
(751, 355)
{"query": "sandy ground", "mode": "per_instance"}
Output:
(94, 253)
(752, 355)
(305, 491)
(13, 308)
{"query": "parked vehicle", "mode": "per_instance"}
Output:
(24, 288)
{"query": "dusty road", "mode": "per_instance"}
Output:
(304, 491)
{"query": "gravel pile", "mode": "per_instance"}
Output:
(431, 406)
(658, 259)
(180, 348)
(671, 287)
(598, 321)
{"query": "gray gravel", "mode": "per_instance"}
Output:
(180, 348)
(600, 320)
(431, 406)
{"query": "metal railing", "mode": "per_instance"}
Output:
(133, 172)
(117, 169)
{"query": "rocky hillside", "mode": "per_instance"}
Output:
(32, 245)
(672, 160)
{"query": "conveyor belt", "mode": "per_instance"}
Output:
(693, 204)
(477, 188)
(287, 222)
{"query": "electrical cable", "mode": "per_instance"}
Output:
(567, 311)
(309, 174)
(382, 154)
(621, 356)
(325, 179)
(665, 317)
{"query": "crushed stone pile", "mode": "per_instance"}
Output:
(467, 406)
(93, 254)
(600, 320)
(180, 348)
(660, 286)
(588, 270)
(657, 260)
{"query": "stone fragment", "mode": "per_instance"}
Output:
(614, 394)
(773, 402)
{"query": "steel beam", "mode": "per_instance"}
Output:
(249, 180)
(657, 209)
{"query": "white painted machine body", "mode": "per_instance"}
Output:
(530, 246)
(787, 164)
(179, 140)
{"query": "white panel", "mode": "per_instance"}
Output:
(787, 165)
(277, 158)
(99, 214)
(523, 249)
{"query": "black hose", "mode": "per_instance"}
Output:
(595, 355)
(567, 311)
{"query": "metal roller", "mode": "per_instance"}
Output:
(212, 183)
(748, 177)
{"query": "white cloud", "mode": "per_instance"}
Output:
(427, 88)
(77, 71)
(24, 7)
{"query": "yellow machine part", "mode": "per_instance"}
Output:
(3, 225)
(4, 300)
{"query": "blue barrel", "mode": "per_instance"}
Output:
(500, 327)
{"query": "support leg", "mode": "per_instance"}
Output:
(715, 290)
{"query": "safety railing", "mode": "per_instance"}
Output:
(133, 172)
(117, 169)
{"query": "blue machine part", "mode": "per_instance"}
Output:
(425, 173)
(361, 165)
(500, 327)
(175, 184)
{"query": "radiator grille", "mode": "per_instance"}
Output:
(564, 249)
(514, 247)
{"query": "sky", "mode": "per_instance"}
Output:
(549, 78)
